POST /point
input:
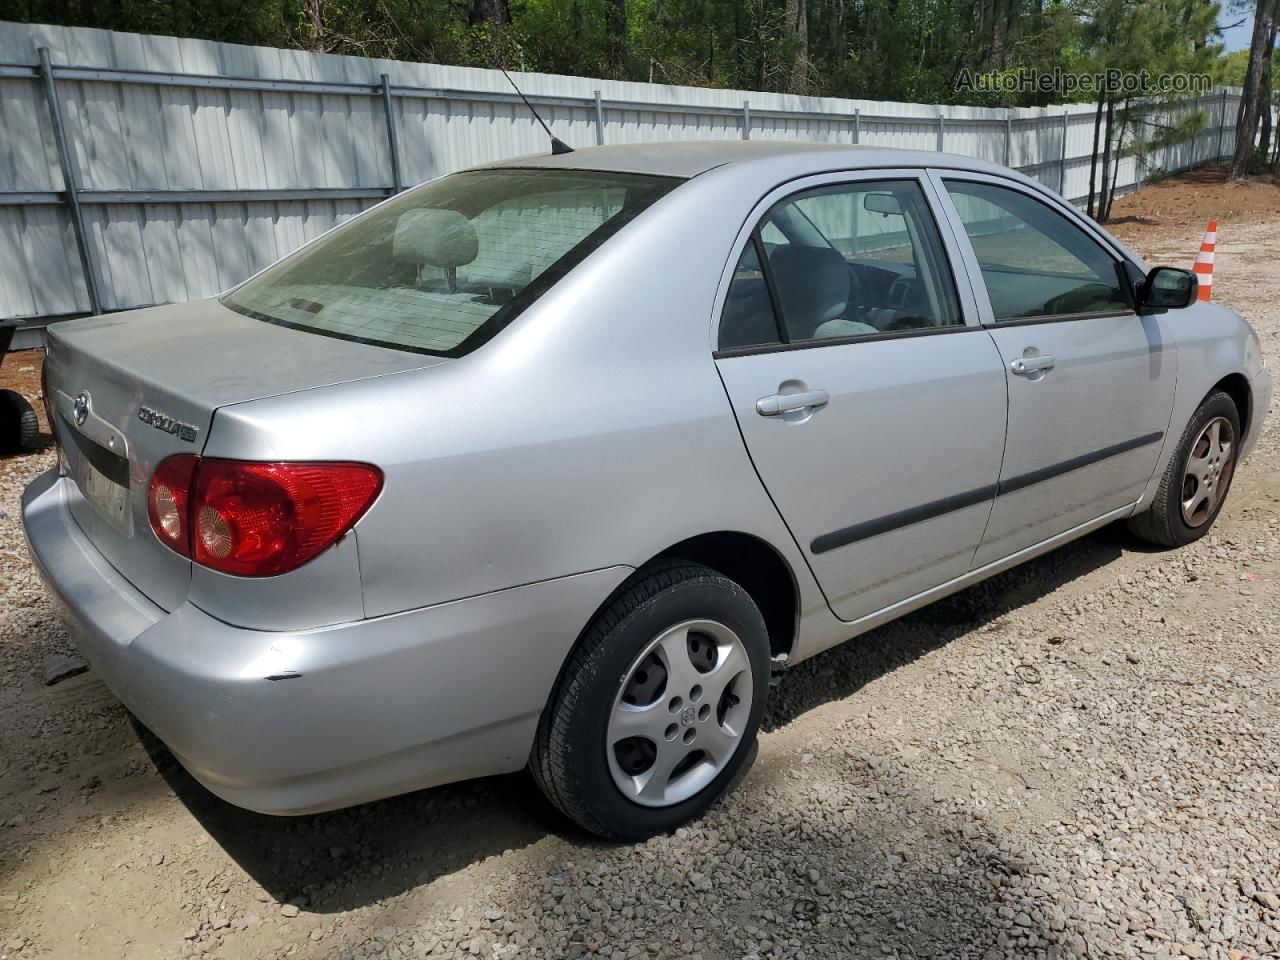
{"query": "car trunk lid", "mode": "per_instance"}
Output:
(130, 389)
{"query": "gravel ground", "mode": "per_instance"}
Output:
(1075, 759)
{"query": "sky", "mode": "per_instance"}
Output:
(1236, 38)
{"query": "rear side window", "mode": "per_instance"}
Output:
(1035, 262)
(749, 319)
(848, 260)
(441, 269)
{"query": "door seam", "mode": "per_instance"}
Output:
(1004, 449)
(765, 487)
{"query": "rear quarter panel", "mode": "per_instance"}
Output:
(593, 432)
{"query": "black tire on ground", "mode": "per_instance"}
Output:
(19, 428)
(1162, 523)
(569, 759)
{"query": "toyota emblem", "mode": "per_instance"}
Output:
(80, 409)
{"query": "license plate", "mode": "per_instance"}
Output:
(108, 496)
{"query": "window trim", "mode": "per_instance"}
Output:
(940, 176)
(751, 351)
(771, 288)
(965, 297)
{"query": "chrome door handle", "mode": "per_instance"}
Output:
(1025, 365)
(781, 403)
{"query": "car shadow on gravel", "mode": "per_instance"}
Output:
(843, 670)
(848, 874)
(350, 858)
(337, 861)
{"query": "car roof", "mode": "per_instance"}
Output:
(773, 160)
(692, 157)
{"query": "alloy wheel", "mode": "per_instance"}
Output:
(679, 713)
(1208, 472)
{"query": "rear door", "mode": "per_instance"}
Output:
(870, 400)
(1090, 381)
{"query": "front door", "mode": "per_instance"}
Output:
(874, 414)
(1090, 381)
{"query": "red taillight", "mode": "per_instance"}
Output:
(260, 519)
(167, 501)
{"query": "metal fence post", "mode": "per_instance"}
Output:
(1008, 137)
(1222, 125)
(71, 183)
(746, 119)
(599, 121)
(857, 125)
(1062, 160)
(393, 137)
(942, 125)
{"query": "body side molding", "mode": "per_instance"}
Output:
(927, 511)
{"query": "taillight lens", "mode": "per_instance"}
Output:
(167, 501)
(261, 519)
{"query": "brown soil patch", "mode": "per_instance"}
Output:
(1198, 196)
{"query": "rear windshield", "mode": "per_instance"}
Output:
(444, 267)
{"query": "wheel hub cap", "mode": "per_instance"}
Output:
(679, 714)
(1208, 472)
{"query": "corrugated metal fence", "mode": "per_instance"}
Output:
(138, 169)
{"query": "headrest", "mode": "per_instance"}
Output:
(440, 238)
(813, 285)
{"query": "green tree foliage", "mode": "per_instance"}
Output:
(1140, 37)
(911, 50)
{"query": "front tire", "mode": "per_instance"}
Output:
(1194, 485)
(655, 713)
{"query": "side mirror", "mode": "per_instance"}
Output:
(1168, 288)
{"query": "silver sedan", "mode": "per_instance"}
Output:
(553, 462)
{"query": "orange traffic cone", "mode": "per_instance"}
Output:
(1203, 266)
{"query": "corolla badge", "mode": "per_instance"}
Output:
(80, 409)
(162, 421)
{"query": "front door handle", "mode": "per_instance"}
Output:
(781, 403)
(1027, 365)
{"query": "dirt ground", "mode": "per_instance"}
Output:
(1078, 758)
(1193, 198)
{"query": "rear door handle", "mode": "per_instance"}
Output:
(781, 403)
(1025, 365)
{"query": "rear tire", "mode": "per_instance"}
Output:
(694, 726)
(1192, 491)
(19, 428)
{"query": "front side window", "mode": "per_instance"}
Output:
(1035, 262)
(848, 260)
(442, 268)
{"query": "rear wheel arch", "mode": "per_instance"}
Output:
(758, 568)
(752, 563)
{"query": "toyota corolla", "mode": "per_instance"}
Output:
(551, 463)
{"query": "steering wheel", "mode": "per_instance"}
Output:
(1082, 299)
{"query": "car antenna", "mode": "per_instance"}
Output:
(558, 146)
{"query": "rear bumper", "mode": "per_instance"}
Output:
(296, 722)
